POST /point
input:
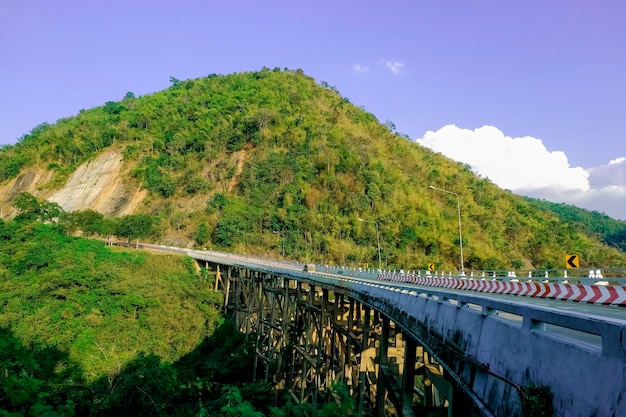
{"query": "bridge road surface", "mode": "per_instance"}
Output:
(577, 308)
(614, 312)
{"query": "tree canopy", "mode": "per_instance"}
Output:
(272, 150)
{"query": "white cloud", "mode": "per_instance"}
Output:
(360, 69)
(396, 67)
(524, 166)
(612, 174)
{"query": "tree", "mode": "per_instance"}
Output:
(343, 404)
(217, 203)
(135, 226)
(33, 208)
(235, 405)
(146, 386)
(224, 231)
(202, 234)
(177, 219)
(159, 182)
(88, 221)
(113, 108)
(109, 227)
(27, 203)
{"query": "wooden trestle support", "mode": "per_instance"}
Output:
(307, 338)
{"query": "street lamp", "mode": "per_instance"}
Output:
(283, 236)
(377, 238)
(458, 207)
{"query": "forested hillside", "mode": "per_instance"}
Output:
(607, 229)
(102, 305)
(89, 330)
(260, 161)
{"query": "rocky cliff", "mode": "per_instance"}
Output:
(98, 184)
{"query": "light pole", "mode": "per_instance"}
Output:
(458, 208)
(283, 236)
(377, 238)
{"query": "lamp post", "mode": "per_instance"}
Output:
(377, 238)
(458, 207)
(283, 237)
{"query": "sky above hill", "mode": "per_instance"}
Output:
(531, 94)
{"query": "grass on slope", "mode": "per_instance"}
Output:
(100, 305)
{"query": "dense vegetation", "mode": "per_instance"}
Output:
(101, 304)
(607, 229)
(252, 162)
(89, 330)
(269, 159)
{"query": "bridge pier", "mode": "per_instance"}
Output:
(408, 376)
(383, 360)
(478, 370)
(308, 337)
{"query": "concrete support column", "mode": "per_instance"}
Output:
(383, 349)
(323, 342)
(347, 360)
(459, 403)
(408, 376)
(312, 329)
(428, 385)
(257, 279)
(363, 365)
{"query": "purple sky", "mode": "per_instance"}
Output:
(554, 70)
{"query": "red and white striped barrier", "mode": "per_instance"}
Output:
(595, 294)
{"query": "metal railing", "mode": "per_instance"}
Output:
(585, 276)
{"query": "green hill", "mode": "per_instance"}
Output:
(101, 305)
(254, 162)
(608, 230)
(258, 161)
(91, 330)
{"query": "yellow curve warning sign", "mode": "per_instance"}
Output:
(571, 261)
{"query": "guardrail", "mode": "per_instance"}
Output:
(531, 317)
(586, 276)
(589, 285)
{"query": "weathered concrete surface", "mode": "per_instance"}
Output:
(586, 380)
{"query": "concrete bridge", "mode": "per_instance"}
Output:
(415, 350)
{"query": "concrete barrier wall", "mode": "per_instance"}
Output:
(506, 338)
(587, 380)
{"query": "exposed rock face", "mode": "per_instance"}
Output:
(96, 185)
(28, 182)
